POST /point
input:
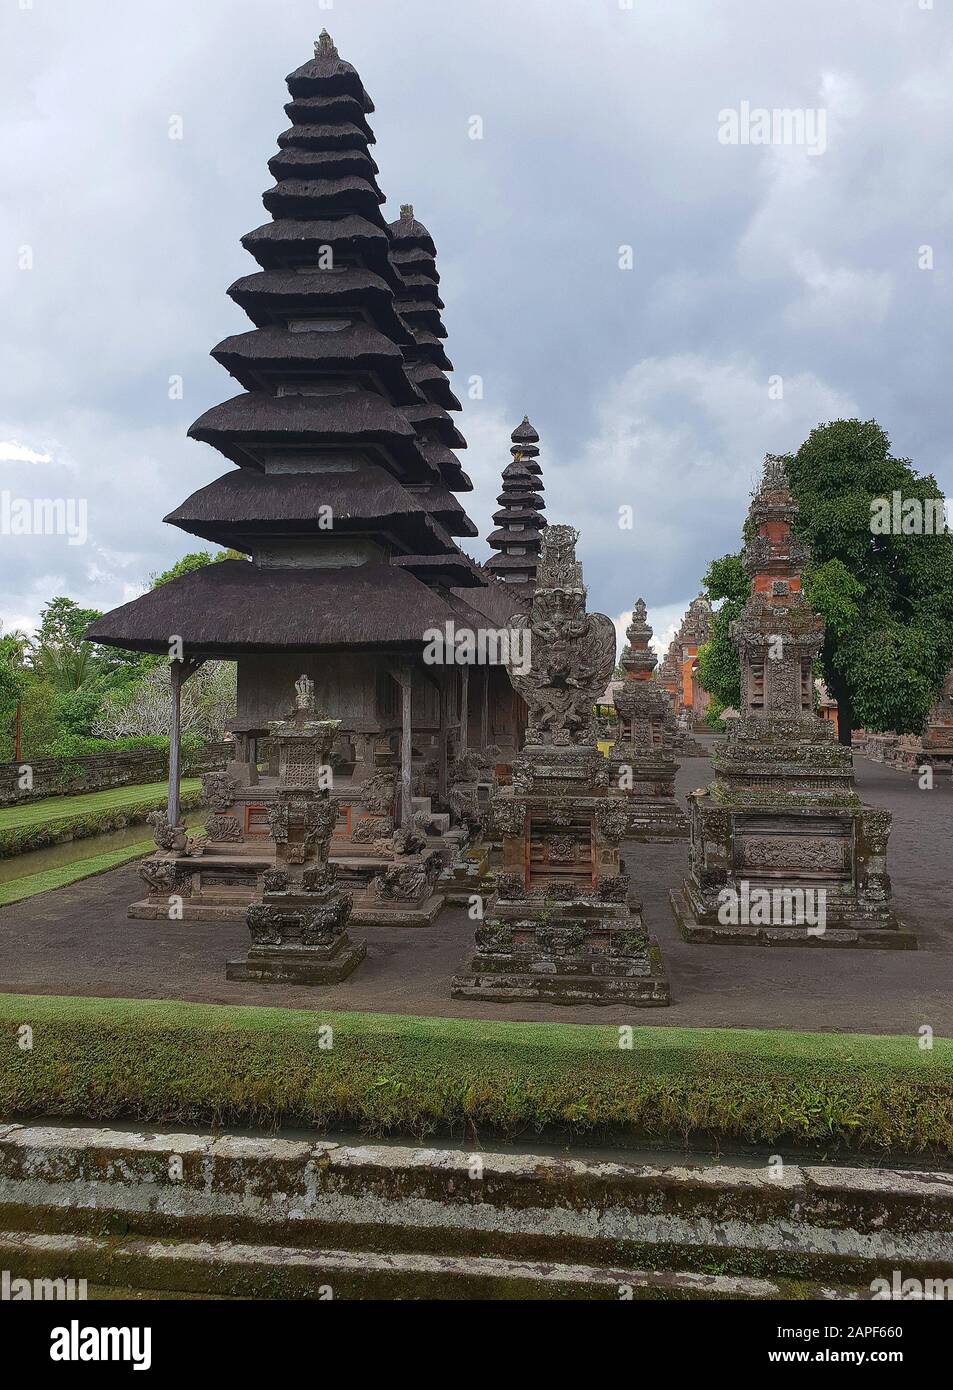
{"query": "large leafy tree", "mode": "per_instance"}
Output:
(718, 669)
(886, 599)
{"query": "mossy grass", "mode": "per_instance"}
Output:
(18, 889)
(170, 1063)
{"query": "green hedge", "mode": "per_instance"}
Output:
(171, 1063)
(21, 839)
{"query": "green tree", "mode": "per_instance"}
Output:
(718, 670)
(887, 600)
(196, 560)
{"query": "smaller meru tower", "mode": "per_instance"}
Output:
(519, 522)
(783, 816)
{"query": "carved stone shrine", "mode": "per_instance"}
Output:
(298, 922)
(643, 765)
(562, 925)
(782, 850)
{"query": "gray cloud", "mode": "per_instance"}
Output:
(649, 386)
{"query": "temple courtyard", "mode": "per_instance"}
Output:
(79, 941)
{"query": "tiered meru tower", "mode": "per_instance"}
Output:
(343, 491)
(782, 850)
(520, 521)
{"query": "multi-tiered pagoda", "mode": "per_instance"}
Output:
(783, 851)
(520, 521)
(341, 489)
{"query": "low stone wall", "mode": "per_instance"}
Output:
(95, 772)
(272, 1217)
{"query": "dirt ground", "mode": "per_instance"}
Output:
(78, 940)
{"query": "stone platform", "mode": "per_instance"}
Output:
(695, 928)
(303, 967)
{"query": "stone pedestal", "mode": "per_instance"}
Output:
(562, 925)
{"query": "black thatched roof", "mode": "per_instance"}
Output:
(413, 261)
(419, 288)
(429, 348)
(432, 382)
(322, 164)
(277, 245)
(243, 504)
(409, 233)
(442, 459)
(233, 606)
(418, 313)
(240, 426)
(524, 433)
(321, 197)
(262, 355)
(433, 423)
(514, 563)
(453, 571)
(272, 296)
(334, 135)
(327, 74)
(323, 110)
(444, 507)
(531, 538)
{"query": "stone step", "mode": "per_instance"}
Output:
(445, 1209)
(229, 1268)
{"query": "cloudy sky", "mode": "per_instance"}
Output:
(769, 286)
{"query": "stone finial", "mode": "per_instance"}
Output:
(558, 566)
(324, 46)
(304, 694)
(775, 477)
(406, 212)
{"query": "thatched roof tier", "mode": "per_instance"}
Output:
(447, 464)
(232, 607)
(417, 312)
(531, 537)
(451, 570)
(428, 347)
(411, 234)
(332, 135)
(321, 197)
(434, 385)
(263, 356)
(525, 433)
(244, 427)
(321, 111)
(434, 424)
(281, 245)
(444, 507)
(422, 288)
(241, 505)
(513, 563)
(327, 74)
(413, 261)
(322, 164)
(275, 296)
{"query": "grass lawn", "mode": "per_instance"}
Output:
(19, 888)
(165, 1062)
(54, 808)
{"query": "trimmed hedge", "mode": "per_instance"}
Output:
(41, 828)
(171, 1063)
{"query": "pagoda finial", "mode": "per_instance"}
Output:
(324, 46)
(406, 212)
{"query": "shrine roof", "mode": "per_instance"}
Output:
(357, 348)
(291, 163)
(231, 607)
(327, 74)
(250, 502)
(321, 110)
(275, 295)
(317, 197)
(329, 135)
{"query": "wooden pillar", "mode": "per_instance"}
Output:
(464, 710)
(402, 673)
(179, 672)
(176, 677)
(446, 686)
(485, 709)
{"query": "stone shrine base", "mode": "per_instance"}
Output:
(703, 929)
(307, 965)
